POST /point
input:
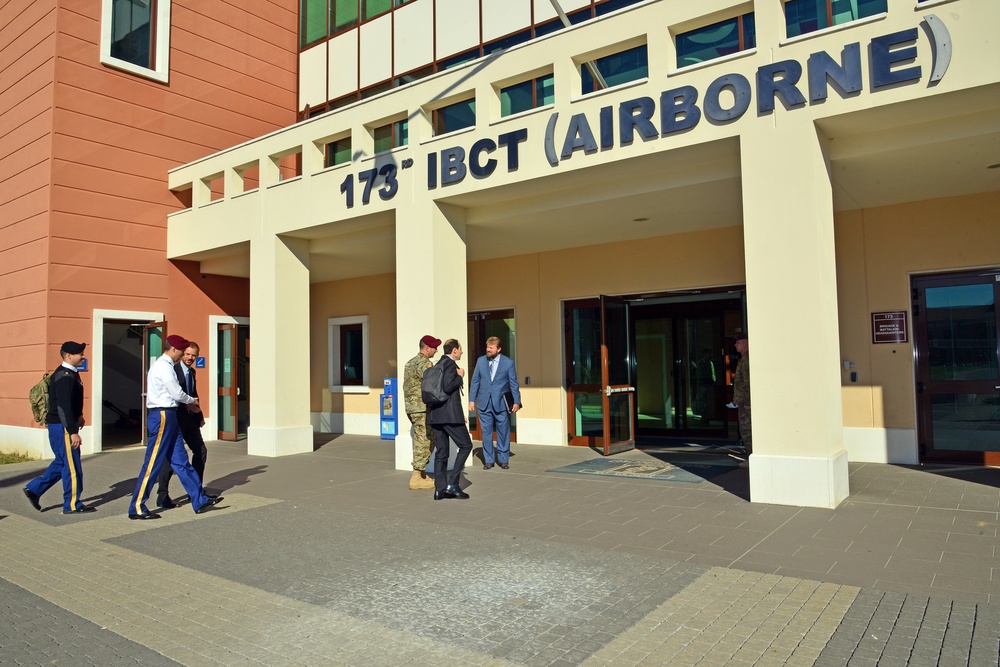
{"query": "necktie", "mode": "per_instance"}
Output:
(493, 369)
(191, 388)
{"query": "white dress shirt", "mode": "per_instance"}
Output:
(162, 388)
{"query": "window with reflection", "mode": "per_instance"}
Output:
(805, 16)
(391, 136)
(618, 68)
(961, 332)
(527, 95)
(455, 117)
(714, 41)
(132, 36)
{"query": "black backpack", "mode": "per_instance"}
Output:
(432, 386)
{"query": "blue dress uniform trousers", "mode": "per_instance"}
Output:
(66, 466)
(165, 443)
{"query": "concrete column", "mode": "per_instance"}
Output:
(431, 291)
(798, 437)
(279, 347)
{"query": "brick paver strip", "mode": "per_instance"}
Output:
(732, 616)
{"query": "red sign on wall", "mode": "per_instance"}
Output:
(889, 327)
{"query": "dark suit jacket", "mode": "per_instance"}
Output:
(451, 411)
(182, 410)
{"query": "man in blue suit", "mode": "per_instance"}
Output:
(494, 376)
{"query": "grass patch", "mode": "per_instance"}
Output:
(15, 457)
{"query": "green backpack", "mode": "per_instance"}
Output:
(39, 399)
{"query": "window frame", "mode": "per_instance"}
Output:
(334, 343)
(829, 18)
(741, 32)
(160, 30)
(398, 137)
(437, 122)
(535, 83)
(585, 73)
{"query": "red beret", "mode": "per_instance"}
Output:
(431, 341)
(178, 342)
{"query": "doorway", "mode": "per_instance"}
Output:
(122, 383)
(957, 356)
(233, 373)
(482, 325)
(667, 358)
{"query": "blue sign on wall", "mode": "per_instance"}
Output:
(199, 362)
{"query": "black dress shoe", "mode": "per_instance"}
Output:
(456, 492)
(32, 498)
(81, 510)
(487, 466)
(504, 465)
(165, 502)
(209, 504)
(443, 495)
(145, 516)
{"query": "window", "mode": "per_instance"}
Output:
(455, 117)
(716, 40)
(527, 95)
(392, 135)
(312, 21)
(805, 16)
(461, 58)
(617, 68)
(352, 359)
(348, 350)
(338, 152)
(506, 42)
(135, 37)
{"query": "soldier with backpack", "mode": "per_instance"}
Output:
(64, 421)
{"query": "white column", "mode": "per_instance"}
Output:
(279, 347)
(798, 437)
(431, 291)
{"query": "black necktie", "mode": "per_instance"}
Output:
(192, 388)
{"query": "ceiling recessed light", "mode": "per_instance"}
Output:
(640, 219)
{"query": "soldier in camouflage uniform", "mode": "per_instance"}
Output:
(741, 392)
(423, 437)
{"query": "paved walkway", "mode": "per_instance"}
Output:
(328, 559)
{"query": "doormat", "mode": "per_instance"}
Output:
(656, 470)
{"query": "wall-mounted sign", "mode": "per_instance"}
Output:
(889, 327)
(199, 362)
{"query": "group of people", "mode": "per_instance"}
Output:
(494, 394)
(173, 418)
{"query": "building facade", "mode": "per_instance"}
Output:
(617, 199)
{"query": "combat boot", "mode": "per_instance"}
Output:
(420, 480)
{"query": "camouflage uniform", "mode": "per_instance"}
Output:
(741, 397)
(423, 437)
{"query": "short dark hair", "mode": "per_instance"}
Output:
(450, 345)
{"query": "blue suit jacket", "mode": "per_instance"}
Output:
(482, 389)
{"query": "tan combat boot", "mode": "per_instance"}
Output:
(420, 480)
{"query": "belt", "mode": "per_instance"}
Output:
(158, 407)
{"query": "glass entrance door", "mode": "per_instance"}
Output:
(955, 322)
(153, 335)
(618, 397)
(233, 372)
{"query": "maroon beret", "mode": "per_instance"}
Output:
(431, 341)
(178, 342)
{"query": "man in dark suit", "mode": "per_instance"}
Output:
(494, 376)
(449, 422)
(190, 424)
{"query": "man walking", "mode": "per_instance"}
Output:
(449, 423)
(741, 393)
(494, 377)
(164, 442)
(190, 424)
(64, 421)
(416, 411)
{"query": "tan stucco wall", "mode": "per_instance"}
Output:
(877, 251)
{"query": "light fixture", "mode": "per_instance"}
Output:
(640, 219)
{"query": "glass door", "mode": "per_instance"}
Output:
(618, 396)
(228, 388)
(153, 335)
(955, 322)
(585, 410)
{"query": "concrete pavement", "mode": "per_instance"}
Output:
(328, 558)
